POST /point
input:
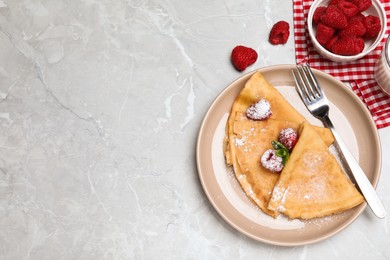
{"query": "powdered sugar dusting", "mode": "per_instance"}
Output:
(281, 209)
(324, 221)
(280, 196)
(288, 137)
(243, 140)
(312, 161)
(277, 194)
(239, 141)
(232, 190)
(272, 162)
(260, 110)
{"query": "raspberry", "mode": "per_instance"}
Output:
(271, 161)
(348, 8)
(335, 2)
(348, 45)
(242, 57)
(318, 13)
(334, 17)
(330, 43)
(362, 5)
(279, 33)
(288, 137)
(373, 26)
(260, 110)
(359, 16)
(324, 33)
(355, 27)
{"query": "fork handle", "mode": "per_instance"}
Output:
(360, 177)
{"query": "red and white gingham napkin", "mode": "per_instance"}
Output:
(360, 73)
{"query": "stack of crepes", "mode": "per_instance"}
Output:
(312, 183)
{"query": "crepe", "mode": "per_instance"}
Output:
(250, 139)
(312, 184)
(246, 140)
(255, 88)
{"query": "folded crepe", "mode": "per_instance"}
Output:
(250, 140)
(255, 88)
(312, 183)
(246, 140)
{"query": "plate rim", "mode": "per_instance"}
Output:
(265, 69)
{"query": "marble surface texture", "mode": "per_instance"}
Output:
(100, 107)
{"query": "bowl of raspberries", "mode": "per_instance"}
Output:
(346, 30)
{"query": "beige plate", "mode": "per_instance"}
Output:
(351, 119)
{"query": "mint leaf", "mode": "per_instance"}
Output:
(277, 146)
(281, 151)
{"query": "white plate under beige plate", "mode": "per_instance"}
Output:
(351, 119)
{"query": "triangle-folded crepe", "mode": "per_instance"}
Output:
(246, 140)
(312, 184)
(255, 88)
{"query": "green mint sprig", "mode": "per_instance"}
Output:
(281, 151)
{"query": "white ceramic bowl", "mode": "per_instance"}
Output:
(376, 9)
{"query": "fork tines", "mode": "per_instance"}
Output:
(307, 85)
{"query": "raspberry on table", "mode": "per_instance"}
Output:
(279, 33)
(242, 57)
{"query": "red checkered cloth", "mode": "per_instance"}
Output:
(360, 73)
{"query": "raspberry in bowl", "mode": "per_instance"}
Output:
(346, 30)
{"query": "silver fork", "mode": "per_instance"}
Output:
(316, 102)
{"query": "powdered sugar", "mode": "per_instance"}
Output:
(260, 110)
(279, 196)
(272, 162)
(239, 142)
(281, 209)
(312, 161)
(243, 139)
(288, 137)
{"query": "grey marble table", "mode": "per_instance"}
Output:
(100, 107)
